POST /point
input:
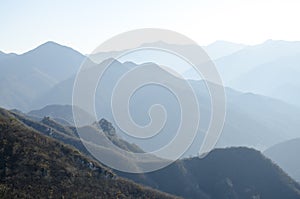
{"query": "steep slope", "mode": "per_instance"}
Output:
(286, 155)
(33, 165)
(224, 173)
(26, 76)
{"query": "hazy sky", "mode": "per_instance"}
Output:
(84, 24)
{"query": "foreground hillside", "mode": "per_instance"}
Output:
(34, 166)
(223, 174)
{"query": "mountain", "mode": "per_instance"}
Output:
(286, 155)
(269, 69)
(68, 134)
(251, 120)
(220, 49)
(60, 113)
(262, 121)
(224, 173)
(259, 120)
(236, 64)
(33, 165)
(215, 50)
(278, 79)
(25, 77)
(272, 64)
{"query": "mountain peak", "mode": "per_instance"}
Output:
(111, 61)
(50, 48)
(51, 44)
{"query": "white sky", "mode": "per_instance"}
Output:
(84, 24)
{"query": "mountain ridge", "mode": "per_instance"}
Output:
(223, 173)
(33, 165)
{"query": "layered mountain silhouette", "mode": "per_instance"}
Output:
(272, 64)
(278, 79)
(270, 69)
(248, 58)
(45, 76)
(286, 155)
(262, 111)
(251, 120)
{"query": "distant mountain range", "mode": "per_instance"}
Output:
(278, 78)
(272, 64)
(251, 120)
(220, 49)
(270, 69)
(250, 57)
(215, 50)
(223, 173)
(45, 76)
